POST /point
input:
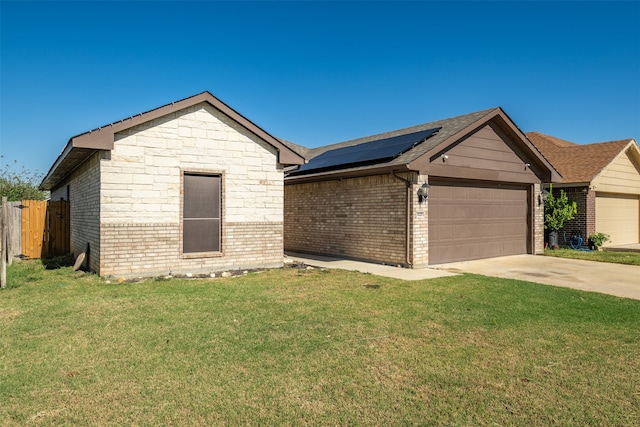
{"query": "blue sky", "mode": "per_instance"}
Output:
(317, 73)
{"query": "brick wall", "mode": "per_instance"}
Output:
(153, 249)
(365, 218)
(360, 218)
(84, 201)
(538, 220)
(585, 220)
(419, 225)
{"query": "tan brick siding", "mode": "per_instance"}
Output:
(84, 200)
(365, 218)
(419, 226)
(361, 218)
(538, 220)
(153, 249)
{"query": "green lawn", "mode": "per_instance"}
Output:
(298, 347)
(631, 258)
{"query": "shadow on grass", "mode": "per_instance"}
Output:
(58, 262)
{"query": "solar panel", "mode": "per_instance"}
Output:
(364, 154)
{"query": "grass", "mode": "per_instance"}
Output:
(318, 347)
(630, 258)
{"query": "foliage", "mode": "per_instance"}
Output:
(313, 347)
(20, 184)
(628, 258)
(599, 239)
(558, 210)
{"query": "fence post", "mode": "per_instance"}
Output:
(8, 231)
(4, 217)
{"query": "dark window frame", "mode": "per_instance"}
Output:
(201, 227)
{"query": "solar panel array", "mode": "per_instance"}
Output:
(368, 153)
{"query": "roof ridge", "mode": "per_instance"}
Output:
(415, 128)
(558, 142)
(617, 141)
(143, 113)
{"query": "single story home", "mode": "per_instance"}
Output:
(462, 188)
(604, 180)
(189, 187)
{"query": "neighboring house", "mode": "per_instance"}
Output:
(367, 198)
(190, 187)
(604, 179)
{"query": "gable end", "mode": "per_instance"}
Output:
(81, 147)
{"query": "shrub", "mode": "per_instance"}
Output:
(558, 210)
(599, 239)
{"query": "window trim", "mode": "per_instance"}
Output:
(211, 173)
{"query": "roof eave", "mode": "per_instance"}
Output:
(569, 184)
(103, 138)
(347, 173)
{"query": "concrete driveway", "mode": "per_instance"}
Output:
(613, 279)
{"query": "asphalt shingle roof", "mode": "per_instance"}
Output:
(449, 127)
(577, 163)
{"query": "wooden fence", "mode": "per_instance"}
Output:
(37, 229)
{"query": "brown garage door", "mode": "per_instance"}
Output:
(468, 221)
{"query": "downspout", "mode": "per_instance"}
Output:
(407, 220)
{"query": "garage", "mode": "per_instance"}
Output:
(461, 188)
(472, 221)
(618, 215)
(604, 180)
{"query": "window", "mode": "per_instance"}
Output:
(201, 213)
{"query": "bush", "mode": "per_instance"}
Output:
(599, 239)
(22, 185)
(558, 210)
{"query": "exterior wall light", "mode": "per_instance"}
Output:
(423, 192)
(542, 197)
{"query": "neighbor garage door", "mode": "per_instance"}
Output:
(618, 216)
(468, 221)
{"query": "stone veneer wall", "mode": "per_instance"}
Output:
(360, 218)
(84, 200)
(141, 196)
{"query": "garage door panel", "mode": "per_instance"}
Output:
(472, 222)
(618, 216)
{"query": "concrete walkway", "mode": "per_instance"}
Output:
(607, 278)
(613, 279)
(367, 267)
